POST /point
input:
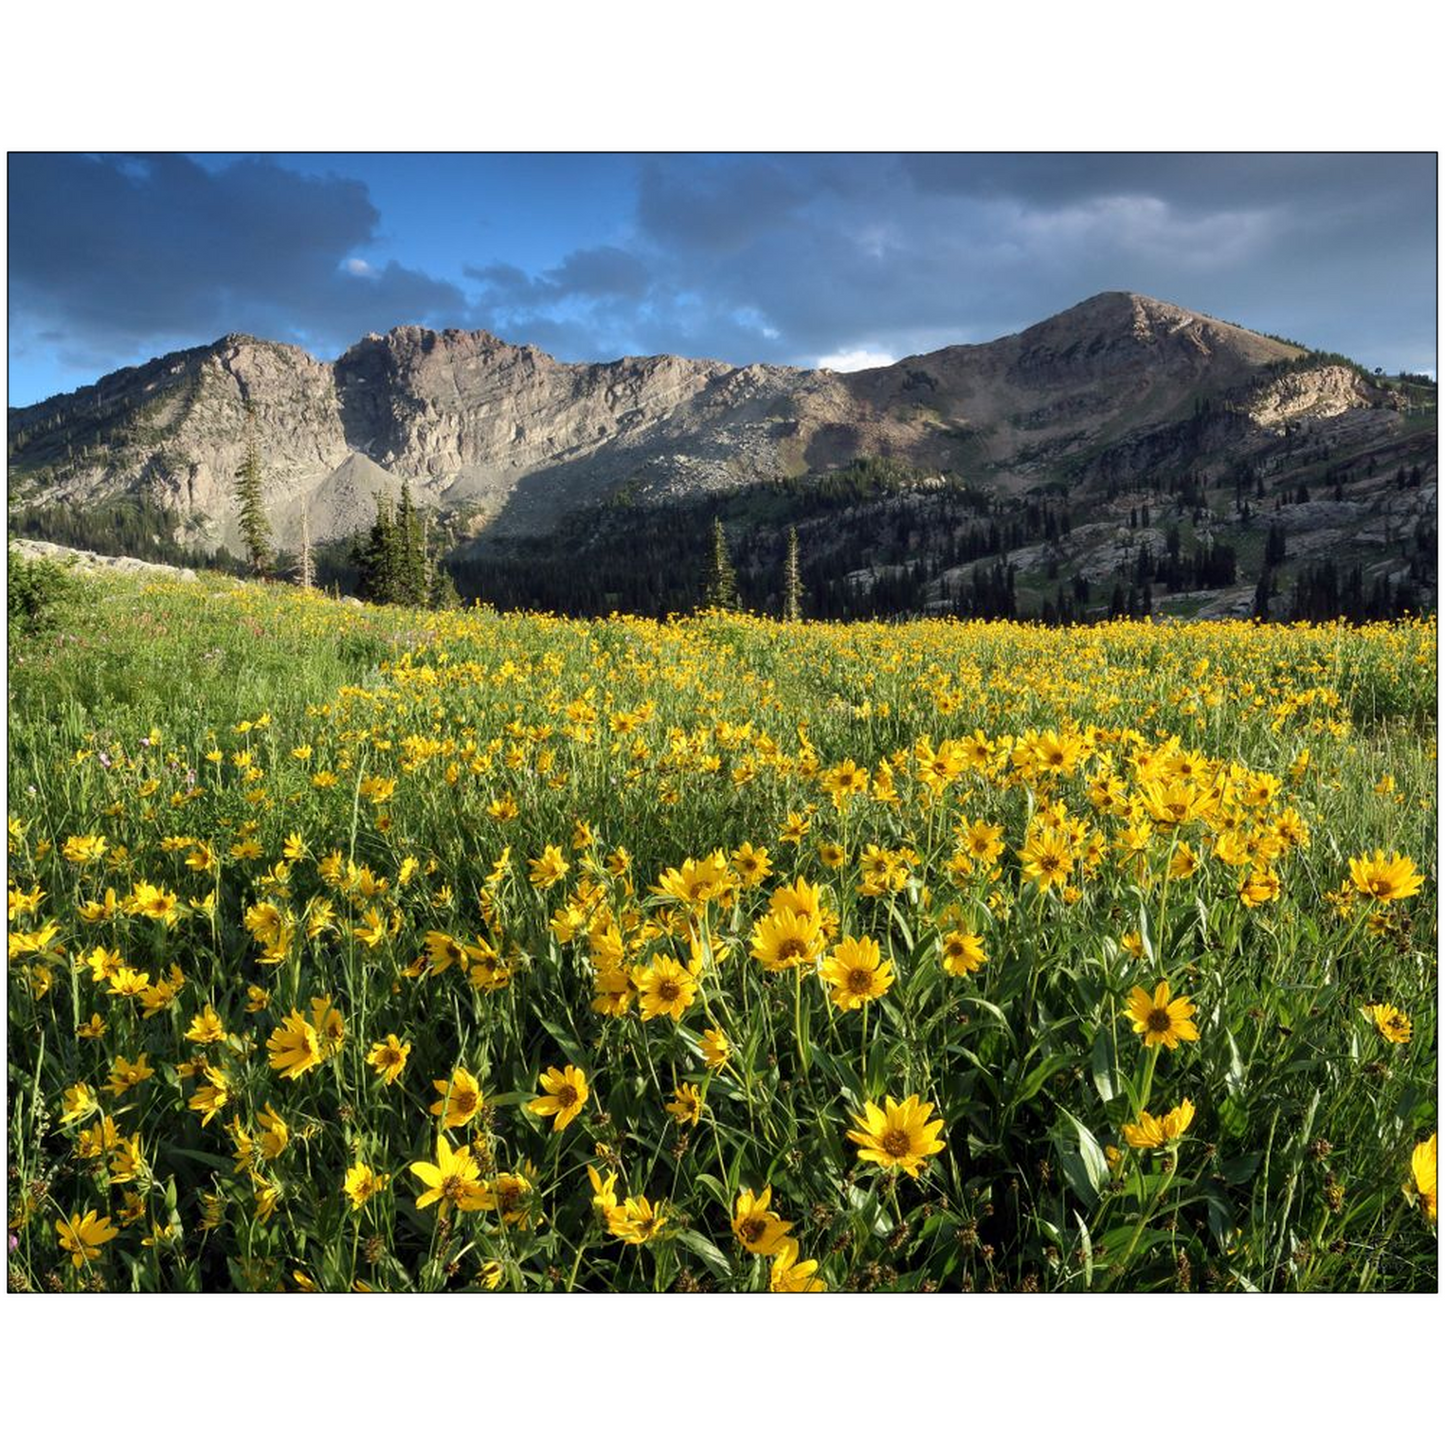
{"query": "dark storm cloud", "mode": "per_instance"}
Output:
(1205, 181)
(743, 258)
(908, 253)
(120, 252)
(722, 207)
(600, 272)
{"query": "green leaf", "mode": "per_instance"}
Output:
(1082, 1160)
(1086, 1248)
(1039, 1076)
(1241, 1170)
(1103, 1063)
(1234, 1077)
(1233, 1117)
(216, 1160)
(706, 1251)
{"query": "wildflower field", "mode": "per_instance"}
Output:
(358, 949)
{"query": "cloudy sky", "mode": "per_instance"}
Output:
(839, 260)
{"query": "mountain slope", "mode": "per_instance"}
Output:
(1120, 394)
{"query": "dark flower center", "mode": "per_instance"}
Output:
(859, 980)
(566, 1096)
(1159, 1021)
(895, 1143)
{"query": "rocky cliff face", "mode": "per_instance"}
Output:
(513, 439)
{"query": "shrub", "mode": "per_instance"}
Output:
(37, 592)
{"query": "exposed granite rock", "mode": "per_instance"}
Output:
(511, 439)
(92, 561)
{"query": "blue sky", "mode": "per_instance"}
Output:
(842, 260)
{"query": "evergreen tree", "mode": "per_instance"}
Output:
(443, 594)
(1261, 596)
(721, 589)
(410, 587)
(792, 581)
(376, 558)
(255, 529)
(395, 564)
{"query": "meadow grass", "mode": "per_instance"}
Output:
(312, 904)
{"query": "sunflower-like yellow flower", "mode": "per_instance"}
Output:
(564, 1094)
(752, 865)
(802, 899)
(1424, 1170)
(686, 1106)
(83, 1237)
(636, 1221)
(275, 1133)
(963, 954)
(79, 1103)
(604, 1192)
(212, 1096)
(1392, 1024)
(550, 868)
(206, 1027)
(697, 881)
(127, 1160)
(126, 1075)
(897, 1136)
(461, 1097)
(148, 901)
(452, 1180)
(845, 781)
(790, 1275)
(361, 1182)
(664, 987)
(783, 940)
(716, 1049)
(1152, 1133)
(388, 1058)
(293, 1046)
(1260, 886)
(1385, 881)
(1047, 858)
(1160, 1020)
(856, 972)
(755, 1226)
(329, 1025)
(513, 1196)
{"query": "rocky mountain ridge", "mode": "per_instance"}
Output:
(508, 440)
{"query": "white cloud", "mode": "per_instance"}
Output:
(859, 359)
(357, 267)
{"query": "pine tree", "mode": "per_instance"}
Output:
(396, 564)
(721, 589)
(792, 581)
(376, 558)
(443, 594)
(255, 529)
(1261, 596)
(410, 583)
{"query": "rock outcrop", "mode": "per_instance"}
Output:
(508, 440)
(92, 561)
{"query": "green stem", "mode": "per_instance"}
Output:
(1149, 1063)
